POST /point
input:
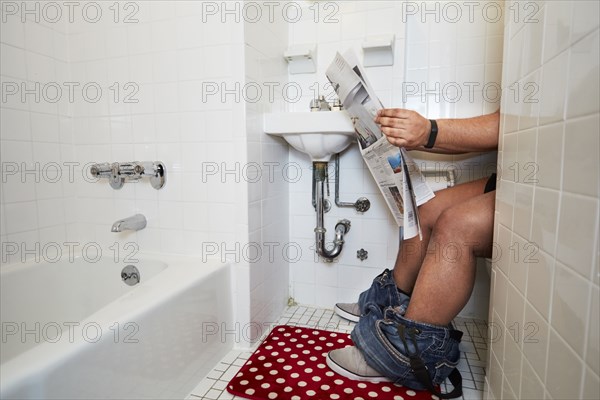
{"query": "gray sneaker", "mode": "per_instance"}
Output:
(350, 363)
(349, 311)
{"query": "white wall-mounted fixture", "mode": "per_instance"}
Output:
(379, 50)
(301, 58)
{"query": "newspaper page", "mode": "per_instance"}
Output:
(397, 175)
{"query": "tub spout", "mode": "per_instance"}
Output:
(134, 223)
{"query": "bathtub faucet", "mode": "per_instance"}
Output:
(134, 223)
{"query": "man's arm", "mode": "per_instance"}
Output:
(406, 128)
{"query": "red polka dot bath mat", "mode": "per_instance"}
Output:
(290, 365)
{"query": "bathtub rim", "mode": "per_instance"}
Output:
(182, 272)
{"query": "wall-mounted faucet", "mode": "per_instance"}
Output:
(120, 172)
(134, 223)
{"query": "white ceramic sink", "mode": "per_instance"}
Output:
(319, 134)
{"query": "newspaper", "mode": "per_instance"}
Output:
(401, 182)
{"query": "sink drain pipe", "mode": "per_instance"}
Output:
(341, 228)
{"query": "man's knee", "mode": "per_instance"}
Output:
(469, 227)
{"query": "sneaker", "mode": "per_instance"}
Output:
(349, 311)
(350, 363)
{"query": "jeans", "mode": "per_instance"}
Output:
(387, 339)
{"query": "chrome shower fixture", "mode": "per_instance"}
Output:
(120, 172)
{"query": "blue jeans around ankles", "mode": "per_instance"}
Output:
(387, 339)
(383, 293)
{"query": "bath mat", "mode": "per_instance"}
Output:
(290, 365)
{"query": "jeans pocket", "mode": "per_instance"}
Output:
(443, 368)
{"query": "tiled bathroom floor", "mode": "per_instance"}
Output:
(472, 363)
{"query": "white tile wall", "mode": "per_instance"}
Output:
(547, 214)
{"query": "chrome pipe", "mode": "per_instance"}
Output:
(341, 228)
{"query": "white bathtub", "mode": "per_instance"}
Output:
(74, 330)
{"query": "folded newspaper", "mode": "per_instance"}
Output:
(397, 175)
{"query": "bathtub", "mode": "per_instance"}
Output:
(73, 329)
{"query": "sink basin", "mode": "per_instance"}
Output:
(319, 134)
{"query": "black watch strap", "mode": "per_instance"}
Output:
(432, 134)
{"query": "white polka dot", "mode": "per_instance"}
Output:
(311, 342)
(287, 349)
(434, 397)
(301, 383)
(411, 393)
(280, 380)
(325, 387)
(281, 344)
(287, 389)
(239, 374)
(315, 332)
(372, 394)
(322, 338)
(340, 340)
(318, 348)
(259, 377)
(272, 395)
(308, 370)
(299, 345)
(293, 340)
(316, 378)
(329, 344)
(334, 396)
(265, 385)
(296, 397)
(295, 375)
(320, 365)
(338, 381)
(268, 365)
(386, 389)
(268, 347)
(348, 390)
(249, 391)
(333, 334)
(306, 352)
(329, 373)
(301, 362)
(280, 360)
(358, 398)
(287, 334)
(311, 392)
(298, 330)
(253, 369)
(313, 358)
(361, 385)
(244, 382)
(261, 358)
(281, 329)
(273, 372)
(287, 367)
(398, 398)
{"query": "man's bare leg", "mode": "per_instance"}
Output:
(412, 251)
(447, 276)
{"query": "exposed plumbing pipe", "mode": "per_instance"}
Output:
(341, 228)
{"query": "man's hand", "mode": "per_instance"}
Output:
(404, 128)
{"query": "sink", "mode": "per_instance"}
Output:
(319, 134)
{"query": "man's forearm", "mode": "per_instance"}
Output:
(468, 134)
